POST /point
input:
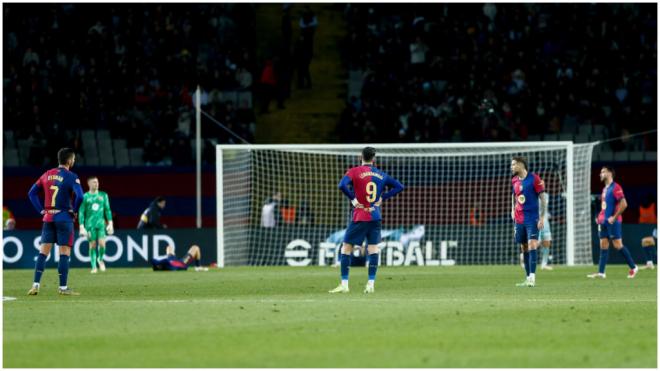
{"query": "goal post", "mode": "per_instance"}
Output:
(279, 204)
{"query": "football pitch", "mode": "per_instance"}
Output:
(463, 316)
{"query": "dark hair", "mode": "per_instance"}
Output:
(92, 177)
(64, 155)
(159, 199)
(368, 154)
(610, 169)
(522, 160)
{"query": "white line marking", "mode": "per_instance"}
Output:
(365, 300)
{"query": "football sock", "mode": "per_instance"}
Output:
(92, 257)
(602, 262)
(626, 254)
(526, 261)
(545, 253)
(63, 270)
(373, 266)
(101, 252)
(39, 267)
(533, 258)
(345, 264)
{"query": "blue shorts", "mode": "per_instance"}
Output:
(526, 232)
(358, 231)
(60, 233)
(611, 231)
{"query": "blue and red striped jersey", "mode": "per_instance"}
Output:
(58, 185)
(526, 192)
(609, 198)
(369, 185)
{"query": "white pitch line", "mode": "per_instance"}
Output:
(365, 300)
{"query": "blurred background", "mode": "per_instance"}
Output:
(116, 83)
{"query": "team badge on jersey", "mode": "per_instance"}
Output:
(521, 199)
(95, 207)
(603, 205)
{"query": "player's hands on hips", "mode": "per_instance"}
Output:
(379, 202)
(110, 229)
(610, 220)
(540, 224)
(43, 212)
(356, 204)
(83, 231)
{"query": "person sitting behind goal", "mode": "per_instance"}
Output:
(171, 263)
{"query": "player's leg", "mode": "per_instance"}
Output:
(604, 255)
(533, 245)
(47, 240)
(65, 241)
(354, 236)
(521, 239)
(194, 255)
(345, 263)
(92, 251)
(545, 238)
(524, 256)
(618, 245)
(648, 245)
(373, 239)
(100, 232)
(545, 254)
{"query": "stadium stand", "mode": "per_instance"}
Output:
(475, 72)
(57, 92)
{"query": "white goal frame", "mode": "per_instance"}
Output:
(568, 145)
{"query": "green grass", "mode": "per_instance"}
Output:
(283, 317)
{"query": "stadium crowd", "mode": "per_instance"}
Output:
(482, 72)
(127, 69)
(428, 72)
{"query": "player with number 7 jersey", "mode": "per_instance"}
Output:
(58, 185)
(367, 193)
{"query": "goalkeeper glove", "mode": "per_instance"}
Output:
(83, 232)
(110, 229)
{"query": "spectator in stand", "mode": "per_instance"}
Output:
(268, 85)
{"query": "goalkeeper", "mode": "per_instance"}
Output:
(92, 216)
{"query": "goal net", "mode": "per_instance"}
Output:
(280, 205)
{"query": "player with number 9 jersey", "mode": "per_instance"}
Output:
(366, 195)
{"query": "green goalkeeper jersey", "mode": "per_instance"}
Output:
(93, 209)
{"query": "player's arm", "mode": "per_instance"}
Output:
(33, 194)
(539, 188)
(513, 206)
(343, 186)
(110, 228)
(77, 189)
(81, 220)
(543, 208)
(620, 208)
(395, 187)
(543, 204)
